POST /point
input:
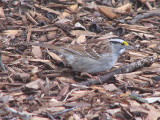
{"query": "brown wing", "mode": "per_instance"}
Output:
(76, 49)
(97, 47)
(93, 49)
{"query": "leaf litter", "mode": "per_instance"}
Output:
(36, 83)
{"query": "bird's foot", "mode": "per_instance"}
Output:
(91, 76)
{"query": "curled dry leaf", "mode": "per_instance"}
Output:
(82, 32)
(55, 56)
(54, 109)
(99, 88)
(50, 109)
(74, 8)
(54, 102)
(64, 15)
(107, 36)
(110, 87)
(47, 62)
(137, 28)
(81, 39)
(39, 118)
(35, 84)
(79, 94)
(38, 16)
(63, 21)
(34, 70)
(66, 79)
(36, 51)
(47, 9)
(12, 32)
(2, 15)
(79, 25)
(108, 12)
(153, 99)
(22, 76)
(124, 9)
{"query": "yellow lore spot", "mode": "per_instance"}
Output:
(126, 43)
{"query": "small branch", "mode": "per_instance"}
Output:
(21, 114)
(124, 69)
(1, 63)
(140, 16)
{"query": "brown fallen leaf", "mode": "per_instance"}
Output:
(81, 39)
(47, 9)
(49, 109)
(82, 32)
(12, 32)
(73, 8)
(153, 114)
(34, 84)
(64, 15)
(54, 102)
(110, 87)
(38, 118)
(54, 56)
(124, 8)
(136, 28)
(78, 94)
(38, 16)
(66, 79)
(2, 15)
(108, 12)
(47, 62)
(36, 51)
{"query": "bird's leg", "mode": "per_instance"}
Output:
(91, 76)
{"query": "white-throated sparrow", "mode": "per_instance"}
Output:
(95, 56)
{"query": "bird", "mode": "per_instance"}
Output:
(92, 57)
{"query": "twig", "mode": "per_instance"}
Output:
(66, 110)
(21, 114)
(147, 15)
(1, 63)
(124, 69)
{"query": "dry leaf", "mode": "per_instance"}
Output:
(65, 79)
(79, 94)
(137, 28)
(108, 12)
(39, 118)
(36, 51)
(47, 9)
(12, 32)
(74, 8)
(47, 62)
(79, 25)
(38, 16)
(80, 40)
(34, 70)
(82, 32)
(153, 99)
(124, 9)
(110, 87)
(54, 102)
(2, 15)
(34, 84)
(64, 15)
(55, 56)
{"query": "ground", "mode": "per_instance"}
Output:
(35, 82)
